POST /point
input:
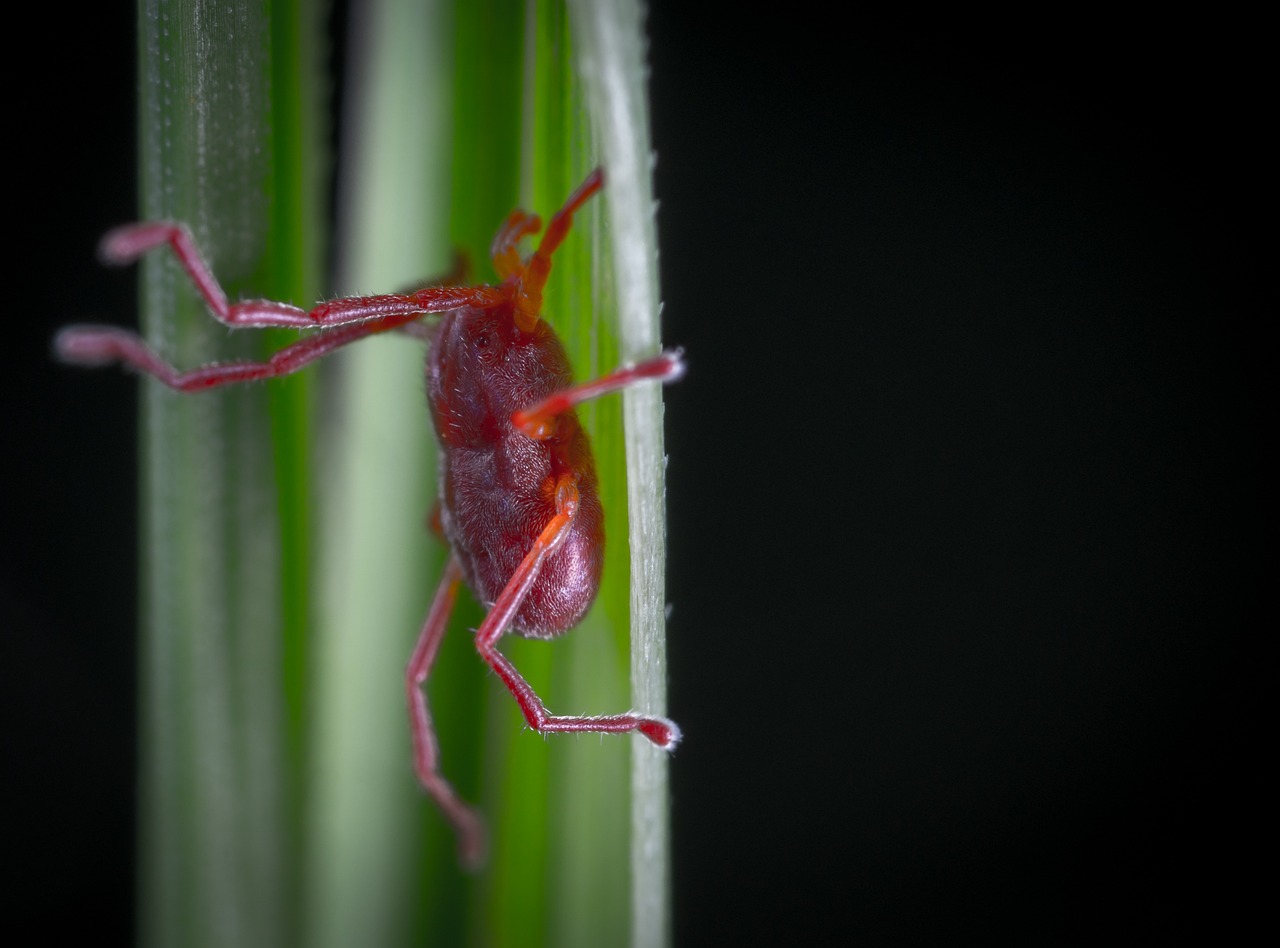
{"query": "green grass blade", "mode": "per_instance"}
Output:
(223, 597)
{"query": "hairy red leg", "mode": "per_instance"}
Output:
(102, 345)
(126, 244)
(538, 266)
(661, 731)
(538, 421)
(426, 751)
(457, 276)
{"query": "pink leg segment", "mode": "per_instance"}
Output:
(538, 421)
(347, 320)
(103, 345)
(426, 751)
(126, 244)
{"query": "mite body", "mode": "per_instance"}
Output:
(497, 484)
(518, 497)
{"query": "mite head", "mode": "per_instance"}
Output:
(483, 368)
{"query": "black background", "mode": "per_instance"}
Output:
(964, 487)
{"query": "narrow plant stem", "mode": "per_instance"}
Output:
(612, 63)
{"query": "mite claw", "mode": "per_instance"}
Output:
(127, 243)
(663, 732)
(674, 364)
(86, 345)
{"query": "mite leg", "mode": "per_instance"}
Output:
(103, 345)
(538, 266)
(457, 276)
(661, 731)
(503, 250)
(538, 421)
(426, 752)
(128, 243)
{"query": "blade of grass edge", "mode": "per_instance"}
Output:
(611, 45)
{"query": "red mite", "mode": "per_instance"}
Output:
(518, 500)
